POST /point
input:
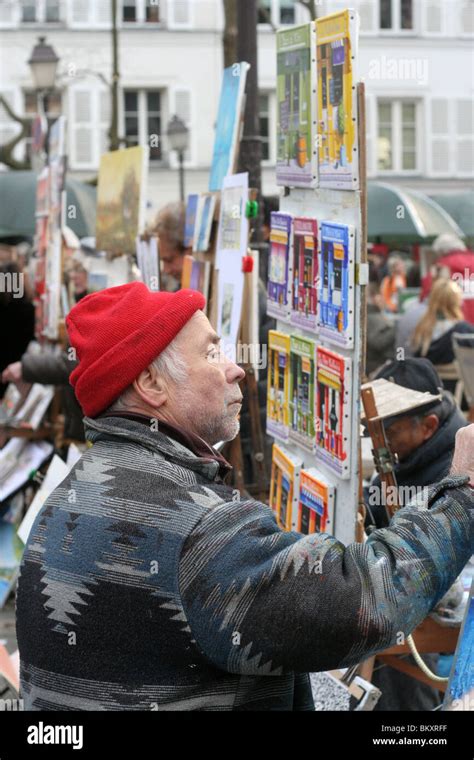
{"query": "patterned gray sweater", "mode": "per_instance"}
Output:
(148, 584)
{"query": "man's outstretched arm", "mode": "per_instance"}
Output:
(262, 601)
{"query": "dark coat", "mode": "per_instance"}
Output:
(17, 320)
(441, 350)
(51, 369)
(183, 596)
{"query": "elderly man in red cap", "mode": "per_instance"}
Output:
(148, 583)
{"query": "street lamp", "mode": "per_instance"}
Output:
(178, 136)
(43, 64)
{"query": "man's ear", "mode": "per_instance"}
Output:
(150, 387)
(430, 425)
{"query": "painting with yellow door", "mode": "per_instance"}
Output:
(296, 108)
(284, 486)
(337, 101)
(278, 385)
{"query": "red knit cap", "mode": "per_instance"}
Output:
(117, 333)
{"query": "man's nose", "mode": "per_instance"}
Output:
(234, 373)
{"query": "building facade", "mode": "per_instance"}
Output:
(415, 56)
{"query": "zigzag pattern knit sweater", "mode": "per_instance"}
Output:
(147, 585)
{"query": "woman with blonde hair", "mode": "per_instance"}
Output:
(433, 336)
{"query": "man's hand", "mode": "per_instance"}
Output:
(463, 459)
(13, 373)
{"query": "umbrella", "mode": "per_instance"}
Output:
(461, 207)
(18, 199)
(405, 215)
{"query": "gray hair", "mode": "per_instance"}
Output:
(393, 260)
(448, 242)
(170, 223)
(170, 365)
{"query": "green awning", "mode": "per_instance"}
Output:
(401, 214)
(18, 199)
(460, 206)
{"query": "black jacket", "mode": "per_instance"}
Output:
(441, 350)
(50, 369)
(17, 320)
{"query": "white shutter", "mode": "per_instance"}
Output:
(464, 139)
(179, 14)
(83, 153)
(368, 16)
(441, 142)
(181, 105)
(467, 18)
(465, 157)
(464, 117)
(103, 12)
(8, 13)
(105, 113)
(432, 17)
(80, 12)
(371, 142)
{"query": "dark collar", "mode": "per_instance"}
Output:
(193, 442)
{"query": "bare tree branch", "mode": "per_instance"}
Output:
(6, 150)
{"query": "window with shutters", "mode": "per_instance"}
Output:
(466, 18)
(40, 11)
(451, 141)
(181, 104)
(277, 12)
(153, 11)
(85, 14)
(441, 140)
(141, 11)
(433, 17)
(129, 11)
(396, 15)
(180, 14)
(9, 13)
(53, 108)
(368, 16)
(143, 120)
(89, 110)
(397, 136)
(464, 159)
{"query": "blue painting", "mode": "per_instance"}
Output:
(460, 691)
(190, 222)
(228, 119)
